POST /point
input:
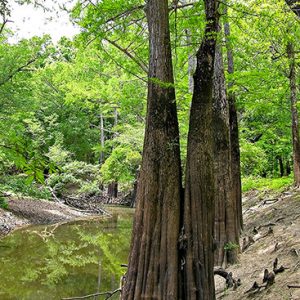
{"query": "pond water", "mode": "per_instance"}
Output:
(65, 260)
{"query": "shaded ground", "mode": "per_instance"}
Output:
(281, 213)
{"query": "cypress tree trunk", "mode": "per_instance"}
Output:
(153, 262)
(294, 5)
(294, 113)
(198, 221)
(226, 229)
(234, 135)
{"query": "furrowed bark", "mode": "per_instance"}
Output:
(153, 262)
(198, 220)
(295, 6)
(234, 133)
(226, 229)
(294, 114)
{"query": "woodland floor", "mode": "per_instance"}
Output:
(282, 214)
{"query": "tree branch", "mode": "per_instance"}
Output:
(122, 67)
(20, 69)
(126, 52)
(141, 7)
(3, 25)
(125, 12)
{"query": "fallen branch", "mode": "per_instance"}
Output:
(293, 286)
(268, 201)
(109, 295)
(53, 194)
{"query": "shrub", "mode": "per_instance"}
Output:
(76, 177)
(3, 203)
(18, 184)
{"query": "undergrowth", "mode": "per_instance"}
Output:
(259, 183)
(19, 185)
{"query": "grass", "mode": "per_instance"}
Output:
(258, 183)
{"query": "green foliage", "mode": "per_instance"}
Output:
(121, 166)
(258, 183)
(76, 177)
(253, 159)
(230, 246)
(3, 203)
(19, 185)
(51, 96)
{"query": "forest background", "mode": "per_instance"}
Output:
(73, 112)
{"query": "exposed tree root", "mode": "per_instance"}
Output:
(290, 286)
(230, 281)
(268, 279)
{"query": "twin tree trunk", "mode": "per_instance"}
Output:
(172, 244)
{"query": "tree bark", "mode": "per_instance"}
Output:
(226, 225)
(294, 114)
(102, 140)
(153, 262)
(112, 190)
(295, 6)
(234, 134)
(197, 259)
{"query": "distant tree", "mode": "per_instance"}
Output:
(295, 6)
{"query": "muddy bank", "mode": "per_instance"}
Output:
(23, 212)
(273, 223)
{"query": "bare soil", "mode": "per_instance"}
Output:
(262, 211)
(22, 212)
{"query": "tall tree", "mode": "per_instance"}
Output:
(294, 114)
(153, 262)
(198, 220)
(226, 223)
(234, 132)
(295, 6)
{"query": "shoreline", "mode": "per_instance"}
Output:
(26, 211)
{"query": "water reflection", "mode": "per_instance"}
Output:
(52, 262)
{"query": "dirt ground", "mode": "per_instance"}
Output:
(22, 212)
(262, 211)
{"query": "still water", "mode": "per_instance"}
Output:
(65, 260)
